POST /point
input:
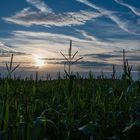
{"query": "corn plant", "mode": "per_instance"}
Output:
(69, 62)
(126, 68)
(114, 73)
(139, 73)
(10, 68)
(97, 109)
(70, 59)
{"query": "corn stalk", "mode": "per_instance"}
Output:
(113, 72)
(126, 68)
(69, 61)
(10, 68)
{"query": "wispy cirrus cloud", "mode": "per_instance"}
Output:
(136, 11)
(6, 50)
(28, 17)
(86, 35)
(100, 40)
(40, 5)
(45, 16)
(44, 44)
(47, 46)
(84, 63)
(82, 42)
(123, 24)
(131, 55)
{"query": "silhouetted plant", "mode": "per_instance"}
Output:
(36, 76)
(114, 72)
(126, 68)
(10, 68)
(139, 73)
(70, 60)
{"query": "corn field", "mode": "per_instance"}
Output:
(71, 108)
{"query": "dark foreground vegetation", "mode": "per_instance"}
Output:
(69, 109)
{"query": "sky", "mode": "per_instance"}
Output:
(35, 31)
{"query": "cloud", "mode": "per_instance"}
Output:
(84, 63)
(97, 41)
(50, 36)
(28, 17)
(47, 46)
(117, 56)
(86, 35)
(103, 55)
(93, 64)
(52, 59)
(50, 44)
(81, 42)
(124, 25)
(93, 38)
(6, 50)
(39, 4)
(136, 11)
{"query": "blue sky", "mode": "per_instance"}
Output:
(99, 29)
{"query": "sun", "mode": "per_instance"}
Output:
(39, 62)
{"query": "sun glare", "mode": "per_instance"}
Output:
(39, 62)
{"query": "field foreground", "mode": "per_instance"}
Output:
(69, 109)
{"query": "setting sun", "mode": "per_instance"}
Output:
(39, 62)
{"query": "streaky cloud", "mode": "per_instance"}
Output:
(62, 38)
(84, 63)
(50, 44)
(86, 35)
(93, 38)
(28, 17)
(122, 24)
(136, 11)
(6, 50)
(52, 59)
(41, 5)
